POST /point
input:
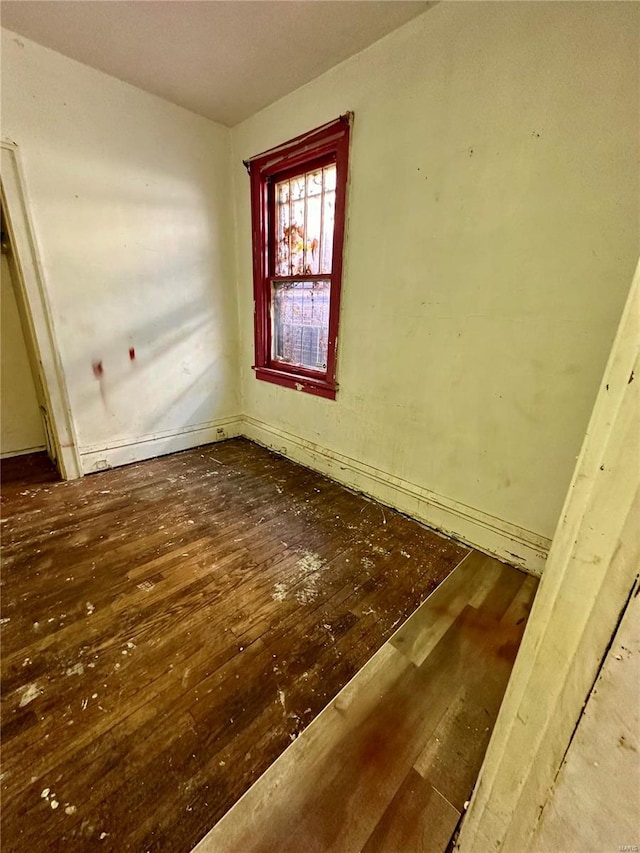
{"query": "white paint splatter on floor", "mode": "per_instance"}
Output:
(329, 630)
(309, 568)
(310, 563)
(77, 669)
(307, 593)
(304, 582)
(31, 692)
(279, 592)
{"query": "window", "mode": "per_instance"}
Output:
(298, 193)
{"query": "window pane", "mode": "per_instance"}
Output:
(296, 234)
(312, 255)
(300, 322)
(328, 215)
(304, 219)
(282, 228)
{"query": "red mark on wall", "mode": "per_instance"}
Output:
(132, 354)
(98, 372)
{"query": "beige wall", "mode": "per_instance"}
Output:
(492, 237)
(21, 426)
(131, 202)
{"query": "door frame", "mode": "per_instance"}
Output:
(591, 569)
(31, 285)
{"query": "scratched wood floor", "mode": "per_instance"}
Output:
(169, 628)
(389, 763)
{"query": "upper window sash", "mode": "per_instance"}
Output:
(298, 150)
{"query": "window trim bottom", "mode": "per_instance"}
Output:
(320, 386)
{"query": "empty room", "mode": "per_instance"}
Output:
(320, 436)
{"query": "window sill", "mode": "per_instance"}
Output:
(308, 384)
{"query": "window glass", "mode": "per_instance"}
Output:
(305, 215)
(300, 318)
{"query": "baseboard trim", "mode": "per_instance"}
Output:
(7, 454)
(128, 450)
(486, 533)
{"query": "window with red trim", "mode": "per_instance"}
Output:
(298, 196)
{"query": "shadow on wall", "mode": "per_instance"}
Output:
(179, 361)
(141, 260)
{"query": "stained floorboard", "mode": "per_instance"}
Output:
(390, 762)
(169, 628)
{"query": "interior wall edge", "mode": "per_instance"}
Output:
(32, 286)
(125, 451)
(499, 538)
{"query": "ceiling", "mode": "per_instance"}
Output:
(224, 60)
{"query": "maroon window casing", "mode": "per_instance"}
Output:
(319, 148)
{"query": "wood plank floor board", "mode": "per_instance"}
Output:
(152, 737)
(418, 637)
(451, 759)
(148, 606)
(348, 783)
(419, 819)
(115, 662)
(135, 638)
(478, 582)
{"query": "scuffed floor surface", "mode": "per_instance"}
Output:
(169, 628)
(389, 764)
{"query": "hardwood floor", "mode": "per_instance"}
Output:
(169, 628)
(389, 764)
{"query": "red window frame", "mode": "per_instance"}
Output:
(326, 144)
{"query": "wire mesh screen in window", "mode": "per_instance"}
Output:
(300, 318)
(305, 214)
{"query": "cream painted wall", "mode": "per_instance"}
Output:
(131, 201)
(21, 427)
(492, 238)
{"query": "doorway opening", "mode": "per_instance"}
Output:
(36, 411)
(24, 428)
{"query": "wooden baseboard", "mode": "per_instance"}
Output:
(489, 534)
(113, 454)
(494, 536)
(23, 452)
